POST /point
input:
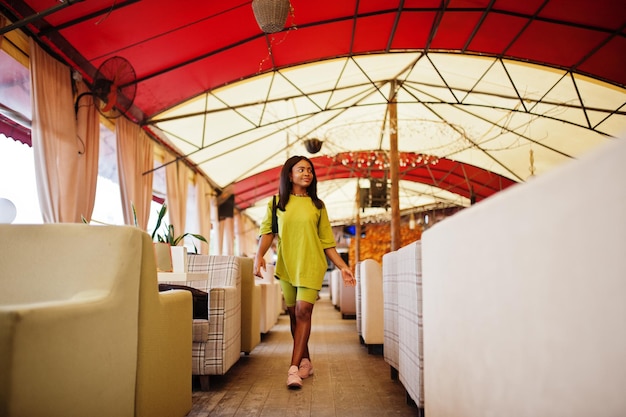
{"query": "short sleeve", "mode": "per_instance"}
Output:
(266, 224)
(325, 230)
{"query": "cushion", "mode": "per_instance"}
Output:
(200, 299)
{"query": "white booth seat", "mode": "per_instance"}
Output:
(524, 297)
(335, 288)
(357, 295)
(410, 325)
(271, 299)
(347, 297)
(342, 297)
(370, 281)
(390, 312)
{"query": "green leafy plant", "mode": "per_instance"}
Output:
(168, 235)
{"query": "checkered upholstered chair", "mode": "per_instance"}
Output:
(217, 341)
(357, 295)
(390, 312)
(410, 322)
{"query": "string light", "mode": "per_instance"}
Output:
(379, 159)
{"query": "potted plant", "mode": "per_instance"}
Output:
(170, 256)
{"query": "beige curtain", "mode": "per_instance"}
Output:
(176, 180)
(228, 240)
(56, 148)
(240, 249)
(88, 131)
(135, 156)
(204, 192)
(248, 234)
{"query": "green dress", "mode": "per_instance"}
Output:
(304, 232)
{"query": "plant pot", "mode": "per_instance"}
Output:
(179, 259)
(163, 256)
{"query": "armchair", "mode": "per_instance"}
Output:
(217, 344)
(84, 331)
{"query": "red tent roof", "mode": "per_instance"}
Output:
(181, 50)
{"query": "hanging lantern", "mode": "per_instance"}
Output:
(271, 15)
(313, 145)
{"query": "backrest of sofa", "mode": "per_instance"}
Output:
(224, 270)
(53, 262)
(390, 308)
(524, 311)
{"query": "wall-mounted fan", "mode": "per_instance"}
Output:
(113, 87)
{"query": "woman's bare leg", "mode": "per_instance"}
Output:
(300, 318)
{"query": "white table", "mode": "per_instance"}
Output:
(182, 277)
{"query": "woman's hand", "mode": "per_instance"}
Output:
(259, 259)
(259, 262)
(348, 278)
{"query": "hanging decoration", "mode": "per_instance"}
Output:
(379, 159)
(271, 15)
(531, 168)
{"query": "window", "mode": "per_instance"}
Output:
(17, 179)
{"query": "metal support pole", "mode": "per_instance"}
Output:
(396, 238)
(37, 16)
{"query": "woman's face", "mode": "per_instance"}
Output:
(302, 174)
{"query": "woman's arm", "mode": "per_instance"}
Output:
(259, 259)
(346, 273)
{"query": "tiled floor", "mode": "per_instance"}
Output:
(347, 382)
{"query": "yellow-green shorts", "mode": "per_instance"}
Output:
(292, 294)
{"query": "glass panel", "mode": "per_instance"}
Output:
(15, 90)
(17, 170)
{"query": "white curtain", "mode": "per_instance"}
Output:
(176, 179)
(56, 147)
(135, 158)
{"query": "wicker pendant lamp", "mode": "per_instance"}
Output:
(313, 145)
(271, 15)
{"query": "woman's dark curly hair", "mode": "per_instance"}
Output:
(285, 186)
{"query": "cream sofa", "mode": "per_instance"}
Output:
(271, 299)
(524, 297)
(250, 307)
(83, 328)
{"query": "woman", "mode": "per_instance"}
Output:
(305, 239)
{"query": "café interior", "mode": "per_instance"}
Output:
(470, 154)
